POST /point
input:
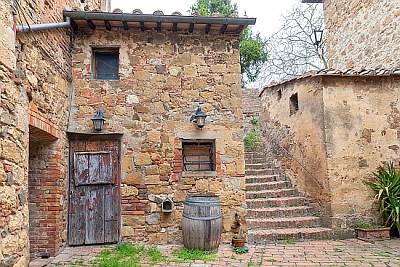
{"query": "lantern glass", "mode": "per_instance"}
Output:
(318, 36)
(200, 121)
(98, 120)
(199, 117)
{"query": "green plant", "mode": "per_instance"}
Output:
(126, 254)
(78, 262)
(252, 139)
(288, 242)
(254, 121)
(185, 255)
(250, 263)
(364, 225)
(386, 184)
(241, 250)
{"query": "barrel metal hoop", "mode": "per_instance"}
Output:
(198, 204)
(202, 218)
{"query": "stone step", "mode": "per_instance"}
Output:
(275, 202)
(255, 160)
(260, 172)
(267, 186)
(262, 178)
(258, 166)
(285, 192)
(265, 236)
(279, 212)
(276, 223)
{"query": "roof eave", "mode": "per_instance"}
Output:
(127, 17)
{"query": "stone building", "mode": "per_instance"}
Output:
(148, 74)
(361, 34)
(331, 129)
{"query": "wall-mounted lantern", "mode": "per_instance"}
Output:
(98, 120)
(318, 37)
(199, 117)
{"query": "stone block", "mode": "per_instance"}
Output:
(174, 70)
(127, 164)
(133, 178)
(127, 231)
(152, 179)
(129, 191)
(202, 185)
(215, 186)
(230, 168)
(179, 196)
(231, 79)
(232, 198)
(165, 169)
(133, 220)
(142, 159)
(153, 219)
(158, 238)
(218, 68)
(151, 170)
(182, 59)
(173, 81)
(158, 190)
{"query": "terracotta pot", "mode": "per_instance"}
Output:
(239, 242)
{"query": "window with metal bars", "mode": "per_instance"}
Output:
(106, 64)
(198, 156)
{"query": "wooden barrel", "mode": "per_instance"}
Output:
(202, 222)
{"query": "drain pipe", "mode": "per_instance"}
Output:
(44, 26)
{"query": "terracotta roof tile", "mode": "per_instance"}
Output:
(335, 72)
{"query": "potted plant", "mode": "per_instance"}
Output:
(368, 232)
(238, 239)
(386, 184)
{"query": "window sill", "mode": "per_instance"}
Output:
(199, 174)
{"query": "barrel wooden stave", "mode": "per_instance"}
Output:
(202, 222)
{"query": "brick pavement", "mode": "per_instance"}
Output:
(350, 252)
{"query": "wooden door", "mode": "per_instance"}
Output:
(94, 203)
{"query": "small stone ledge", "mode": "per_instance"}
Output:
(200, 174)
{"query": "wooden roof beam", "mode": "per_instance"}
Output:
(108, 25)
(208, 27)
(91, 24)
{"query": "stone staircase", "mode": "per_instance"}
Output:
(275, 210)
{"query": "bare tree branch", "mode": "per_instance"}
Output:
(292, 50)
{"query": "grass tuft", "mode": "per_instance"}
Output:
(187, 255)
(128, 255)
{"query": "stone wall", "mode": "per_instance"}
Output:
(14, 249)
(251, 107)
(163, 78)
(344, 129)
(295, 139)
(362, 34)
(35, 76)
(362, 122)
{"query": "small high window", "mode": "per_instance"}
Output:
(198, 156)
(294, 104)
(279, 92)
(106, 64)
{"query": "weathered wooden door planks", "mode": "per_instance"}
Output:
(94, 204)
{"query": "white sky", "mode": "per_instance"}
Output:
(267, 12)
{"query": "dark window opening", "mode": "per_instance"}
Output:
(279, 94)
(106, 64)
(294, 104)
(198, 156)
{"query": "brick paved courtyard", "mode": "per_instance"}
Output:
(350, 252)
